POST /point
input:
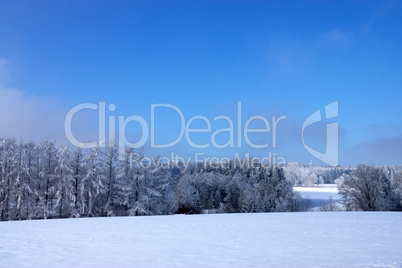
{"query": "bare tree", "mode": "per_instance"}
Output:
(368, 189)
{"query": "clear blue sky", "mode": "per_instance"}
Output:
(278, 58)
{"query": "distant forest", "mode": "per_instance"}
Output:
(40, 181)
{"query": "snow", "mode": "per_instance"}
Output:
(318, 195)
(327, 239)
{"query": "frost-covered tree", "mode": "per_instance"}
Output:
(78, 173)
(187, 195)
(368, 188)
(18, 172)
(29, 193)
(92, 188)
(109, 178)
(396, 184)
(134, 170)
(49, 167)
(273, 191)
(234, 191)
(161, 191)
(7, 150)
(65, 190)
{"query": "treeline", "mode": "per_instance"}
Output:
(309, 175)
(39, 181)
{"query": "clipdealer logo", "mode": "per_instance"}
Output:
(331, 154)
(241, 126)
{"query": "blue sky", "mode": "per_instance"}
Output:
(277, 58)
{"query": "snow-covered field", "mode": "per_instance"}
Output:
(327, 239)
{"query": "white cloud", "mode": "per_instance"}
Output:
(29, 117)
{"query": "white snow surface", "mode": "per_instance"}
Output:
(321, 194)
(326, 239)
